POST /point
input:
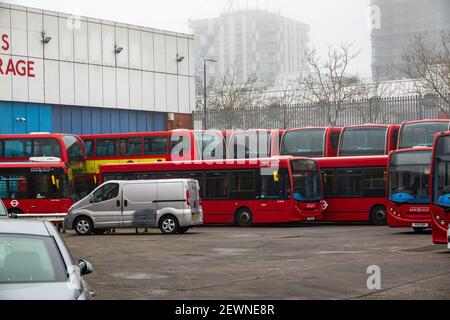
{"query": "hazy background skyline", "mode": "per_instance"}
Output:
(331, 22)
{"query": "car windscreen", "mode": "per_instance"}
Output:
(30, 259)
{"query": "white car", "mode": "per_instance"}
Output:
(35, 264)
(3, 211)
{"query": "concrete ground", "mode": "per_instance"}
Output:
(286, 262)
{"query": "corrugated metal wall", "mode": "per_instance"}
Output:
(75, 119)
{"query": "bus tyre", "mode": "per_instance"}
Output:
(168, 224)
(419, 230)
(378, 216)
(182, 230)
(244, 217)
(83, 226)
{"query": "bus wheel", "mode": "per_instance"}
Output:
(83, 226)
(168, 224)
(378, 216)
(183, 230)
(419, 230)
(244, 217)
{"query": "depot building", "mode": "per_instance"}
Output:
(64, 73)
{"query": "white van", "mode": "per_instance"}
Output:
(172, 205)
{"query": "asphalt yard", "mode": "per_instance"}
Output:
(320, 261)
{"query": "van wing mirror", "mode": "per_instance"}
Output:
(85, 267)
(91, 198)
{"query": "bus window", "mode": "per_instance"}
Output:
(46, 186)
(18, 148)
(349, 182)
(89, 147)
(179, 145)
(375, 182)
(13, 187)
(155, 145)
(242, 181)
(329, 182)
(131, 147)
(216, 185)
(277, 190)
(46, 148)
(106, 148)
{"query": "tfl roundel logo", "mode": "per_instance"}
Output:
(14, 203)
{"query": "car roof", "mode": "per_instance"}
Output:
(14, 226)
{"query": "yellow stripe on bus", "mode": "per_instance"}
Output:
(93, 166)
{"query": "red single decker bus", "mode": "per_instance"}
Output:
(421, 132)
(368, 140)
(244, 192)
(354, 188)
(408, 199)
(311, 142)
(38, 187)
(440, 188)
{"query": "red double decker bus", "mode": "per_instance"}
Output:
(354, 188)
(421, 132)
(244, 192)
(368, 140)
(311, 142)
(65, 149)
(151, 147)
(440, 188)
(38, 187)
(408, 201)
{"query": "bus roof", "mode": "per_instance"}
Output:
(425, 120)
(311, 128)
(419, 148)
(193, 165)
(377, 125)
(34, 135)
(131, 134)
(364, 161)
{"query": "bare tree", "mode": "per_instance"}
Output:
(427, 64)
(329, 83)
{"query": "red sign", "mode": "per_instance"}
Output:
(21, 68)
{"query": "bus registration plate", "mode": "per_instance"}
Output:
(311, 218)
(420, 225)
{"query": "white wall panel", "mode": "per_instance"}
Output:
(36, 84)
(67, 83)
(108, 40)
(136, 89)
(160, 92)
(7, 31)
(81, 51)
(18, 36)
(109, 87)
(51, 86)
(172, 93)
(192, 93)
(183, 50)
(19, 88)
(65, 39)
(135, 49)
(5, 18)
(123, 88)
(148, 91)
(95, 42)
(183, 95)
(191, 59)
(34, 36)
(51, 49)
(147, 51)
(171, 54)
(82, 84)
(95, 86)
(122, 41)
(160, 53)
(5, 83)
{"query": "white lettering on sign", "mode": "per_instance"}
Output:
(20, 67)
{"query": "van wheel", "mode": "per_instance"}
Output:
(244, 217)
(168, 224)
(378, 216)
(83, 226)
(182, 230)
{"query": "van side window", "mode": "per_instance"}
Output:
(107, 192)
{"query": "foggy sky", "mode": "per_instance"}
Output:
(331, 21)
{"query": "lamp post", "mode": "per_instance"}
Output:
(204, 89)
